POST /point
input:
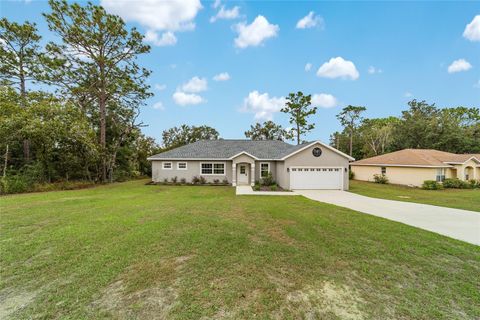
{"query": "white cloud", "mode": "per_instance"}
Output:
(459, 65)
(157, 15)
(166, 39)
(472, 30)
(224, 76)
(226, 14)
(373, 70)
(308, 67)
(255, 33)
(194, 85)
(158, 106)
(408, 94)
(216, 4)
(261, 105)
(338, 68)
(310, 21)
(184, 99)
(324, 100)
(160, 87)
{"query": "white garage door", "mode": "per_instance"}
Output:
(316, 178)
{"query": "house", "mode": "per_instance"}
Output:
(312, 165)
(414, 166)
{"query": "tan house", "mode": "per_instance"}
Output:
(312, 165)
(414, 166)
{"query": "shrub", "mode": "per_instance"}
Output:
(455, 184)
(216, 181)
(268, 180)
(183, 181)
(474, 184)
(351, 174)
(174, 180)
(380, 178)
(431, 185)
(256, 187)
(165, 180)
(225, 181)
(195, 180)
(202, 180)
(273, 187)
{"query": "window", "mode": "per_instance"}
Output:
(384, 170)
(440, 175)
(242, 170)
(212, 168)
(166, 165)
(219, 168)
(181, 166)
(264, 169)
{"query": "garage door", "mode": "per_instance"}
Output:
(316, 178)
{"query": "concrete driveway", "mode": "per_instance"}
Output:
(455, 223)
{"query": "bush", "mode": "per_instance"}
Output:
(195, 180)
(183, 181)
(225, 181)
(165, 180)
(268, 180)
(455, 184)
(202, 180)
(256, 187)
(273, 187)
(174, 180)
(474, 184)
(380, 178)
(351, 174)
(431, 185)
(216, 181)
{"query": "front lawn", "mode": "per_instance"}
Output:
(132, 251)
(466, 199)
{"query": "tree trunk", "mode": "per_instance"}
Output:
(23, 96)
(5, 163)
(351, 142)
(103, 140)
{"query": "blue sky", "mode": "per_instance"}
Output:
(376, 54)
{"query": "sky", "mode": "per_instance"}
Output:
(230, 64)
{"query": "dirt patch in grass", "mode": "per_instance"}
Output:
(13, 300)
(326, 300)
(137, 298)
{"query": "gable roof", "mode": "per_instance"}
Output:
(418, 158)
(226, 149)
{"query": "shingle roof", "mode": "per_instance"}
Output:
(417, 157)
(224, 149)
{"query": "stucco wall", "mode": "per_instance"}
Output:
(397, 175)
(193, 169)
(328, 158)
(461, 170)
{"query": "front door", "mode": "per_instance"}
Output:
(242, 174)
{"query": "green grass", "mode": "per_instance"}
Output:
(152, 252)
(467, 199)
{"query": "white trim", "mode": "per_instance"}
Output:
(214, 174)
(268, 170)
(178, 165)
(398, 165)
(322, 144)
(165, 162)
(243, 152)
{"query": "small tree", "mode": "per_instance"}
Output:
(350, 118)
(179, 136)
(298, 107)
(269, 130)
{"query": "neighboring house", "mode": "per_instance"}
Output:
(313, 165)
(414, 166)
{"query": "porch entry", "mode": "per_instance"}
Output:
(243, 174)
